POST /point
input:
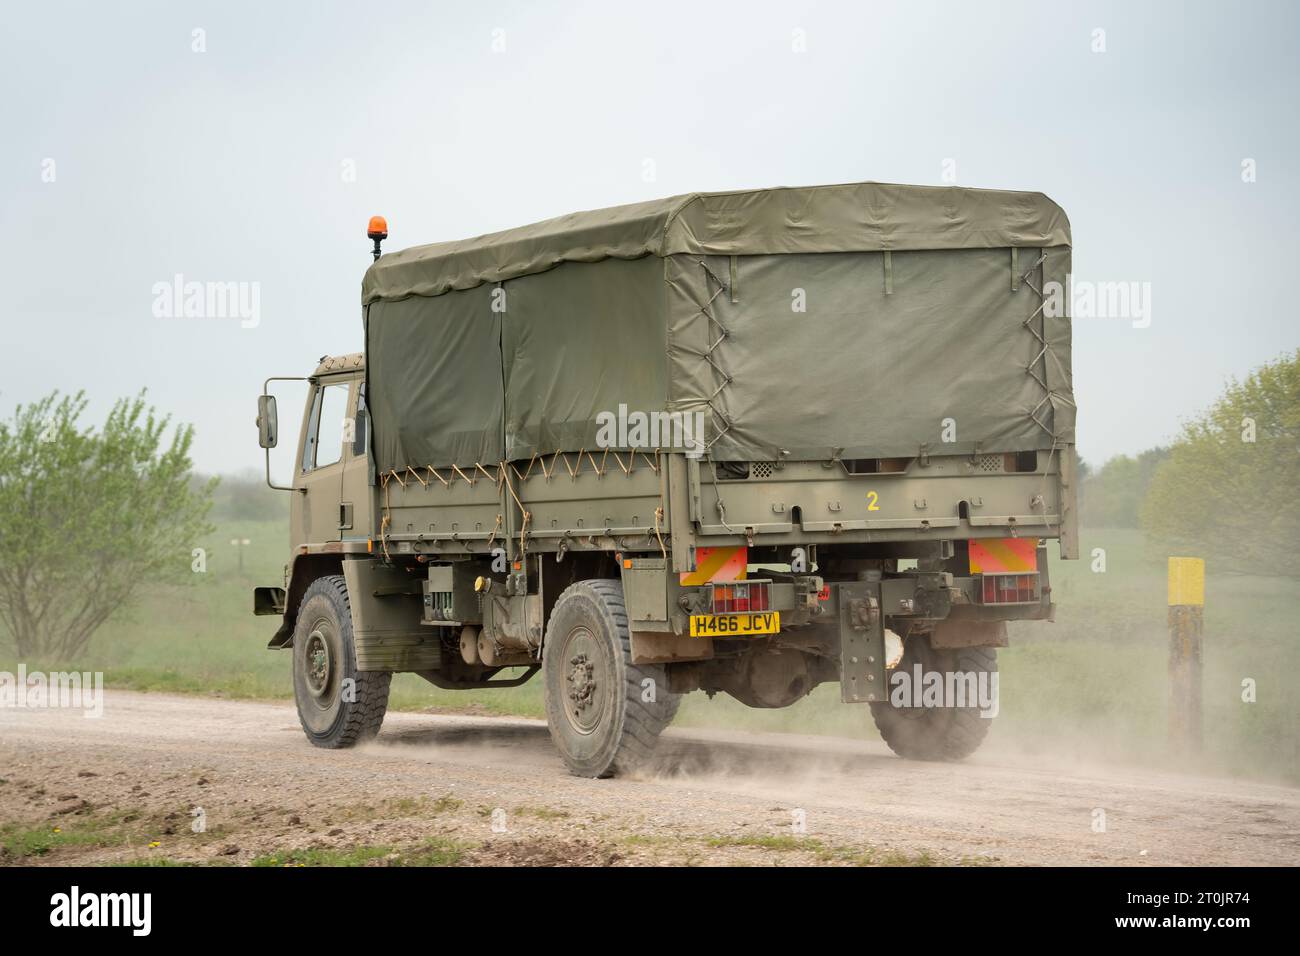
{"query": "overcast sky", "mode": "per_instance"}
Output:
(233, 164)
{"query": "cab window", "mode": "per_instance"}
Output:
(325, 433)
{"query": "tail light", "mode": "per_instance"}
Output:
(739, 597)
(1009, 588)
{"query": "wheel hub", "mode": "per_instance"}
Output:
(582, 681)
(583, 690)
(318, 664)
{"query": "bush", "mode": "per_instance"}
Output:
(1112, 496)
(1228, 487)
(87, 518)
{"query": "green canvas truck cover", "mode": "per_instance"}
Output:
(849, 321)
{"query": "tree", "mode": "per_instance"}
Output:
(1227, 492)
(1111, 497)
(89, 518)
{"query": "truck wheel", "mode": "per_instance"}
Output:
(596, 699)
(337, 705)
(936, 733)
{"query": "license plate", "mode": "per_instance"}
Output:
(735, 625)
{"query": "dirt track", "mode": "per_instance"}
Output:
(134, 777)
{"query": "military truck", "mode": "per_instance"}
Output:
(745, 442)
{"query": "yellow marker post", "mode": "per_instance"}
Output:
(1186, 582)
(1186, 628)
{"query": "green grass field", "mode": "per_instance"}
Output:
(1091, 686)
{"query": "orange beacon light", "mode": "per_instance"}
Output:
(378, 231)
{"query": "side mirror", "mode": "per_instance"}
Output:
(268, 429)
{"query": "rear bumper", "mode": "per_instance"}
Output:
(919, 596)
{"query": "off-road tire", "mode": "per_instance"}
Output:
(324, 659)
(587, 661)
(936, 733)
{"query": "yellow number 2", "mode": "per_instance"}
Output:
(873, 501)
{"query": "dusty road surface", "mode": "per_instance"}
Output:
(188, 779)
